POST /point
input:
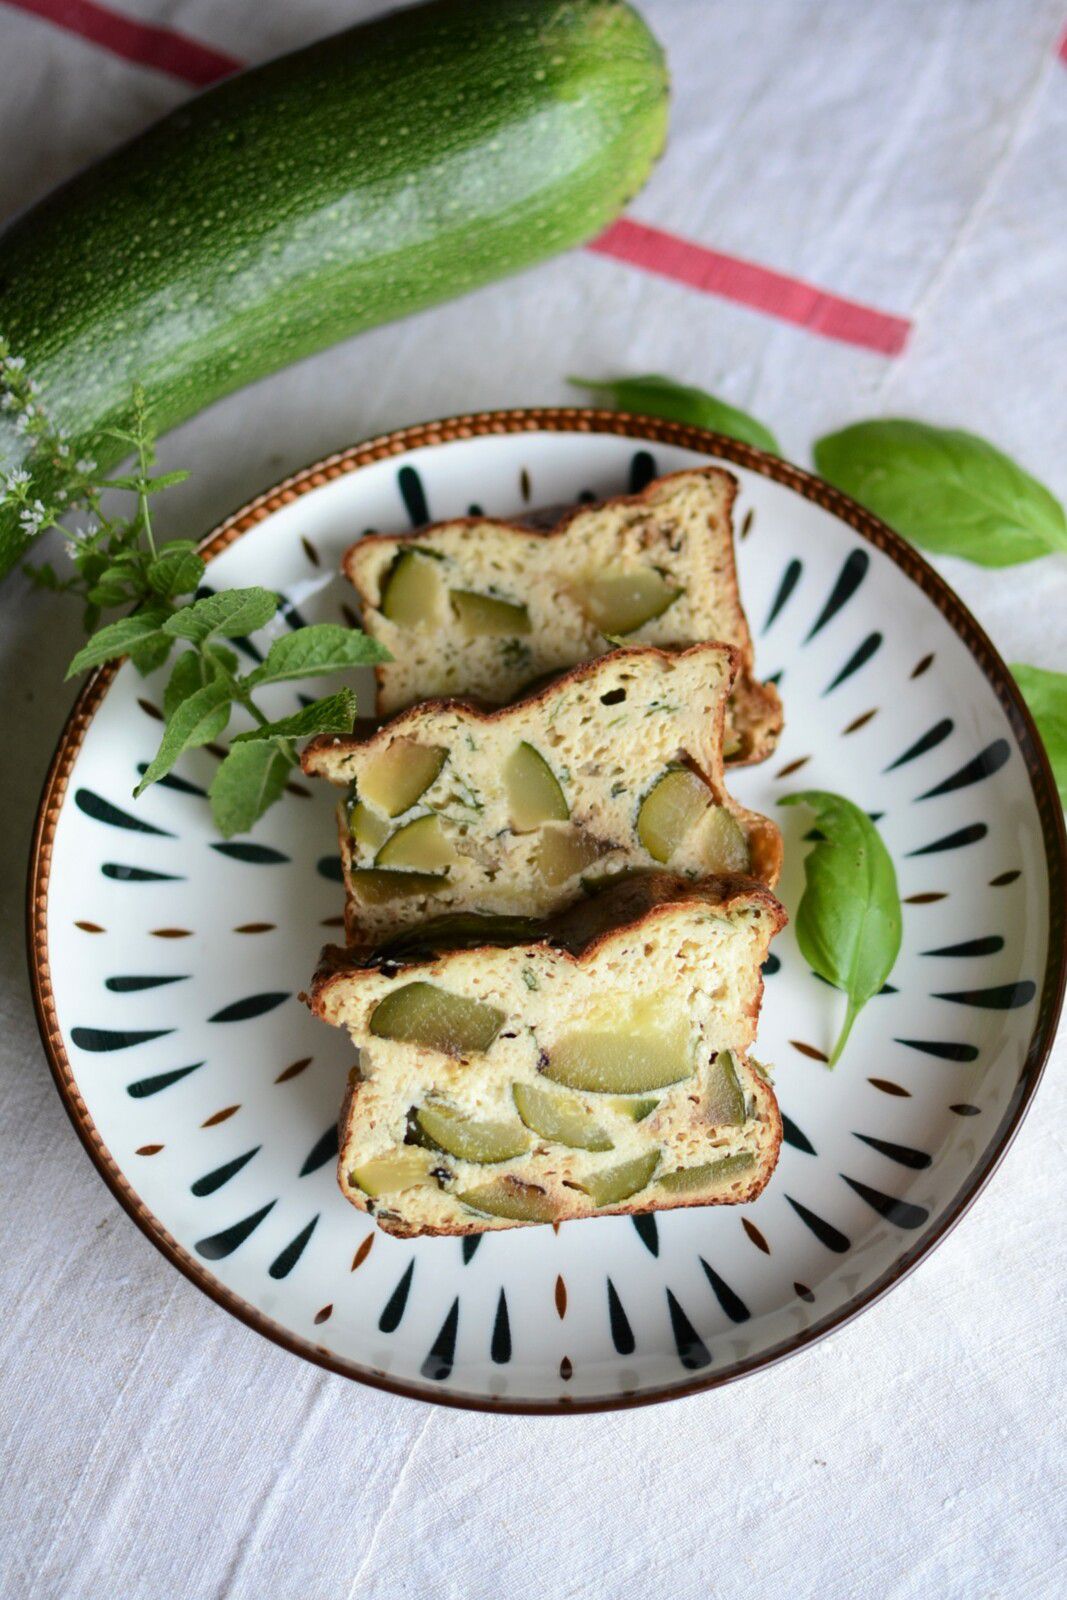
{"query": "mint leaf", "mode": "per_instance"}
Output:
(191, 672)
(945, 490)
(848, 923)
(195, 721)
(247, 783)
(335, 713)
(657, 396)
(233, 613)
(152, 654)
(176, 570)
(1046, 695)
(140, 485)
(312, 651)
(118, 639)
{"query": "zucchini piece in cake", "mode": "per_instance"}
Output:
(484, 608)
(615, 766)
(590, 1066)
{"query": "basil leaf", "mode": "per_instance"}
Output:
(1046, 695)
(848, 923)
(317, 649)
(247, 783)
(196, 721)
(335, 713)
(233, 613)
(118, 639)
(662, 397)
(945, 490)
(177, 569)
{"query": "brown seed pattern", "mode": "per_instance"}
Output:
(804, 1292)
(926, 899)
(1002, 878)
(793, 766)
(561, 1298)
(965, 1110)
(362, 1253)
(295, 1070)
(90, 927)
(809, 1050)
(756, 1236)
(922, 666)
(299, 790)
(324, 1315)
(149, 1149)
(171, 933)
(256, 927)
(332, 922)
(220, 1116)
(150, 710)
(310, 551)
(566, 1369)
(860, 721)
(746, 526)
(889, 1088)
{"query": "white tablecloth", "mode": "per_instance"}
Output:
(909, 156)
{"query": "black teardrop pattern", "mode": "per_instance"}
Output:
(220, 1245)
(772, 965)
(229, 1169)
(329, 867)
(929, 741)
(102, 1040)
(393, 1310)
(438, 1364)
(256, 855)
(904, 1154)
(286, 1259)
(859, 658)
(824, 1231)
(122, 874)
(790, 579)
(470, 1246)
(647, 1232)
(134, 983)
(848, 581)
(323, 1150)
(101, 810)
(622, 1335)
(500, 1344)
(1002, 997)
(731, 1303)
(642, 470)
(171, 780)
(988, 945)
(983, 765)
(792, 1135)
(414, 496)
(144, 1088)
(899, 1212)
(943, 1049)
(253, 1005)
(953, 841)
(693, 1353)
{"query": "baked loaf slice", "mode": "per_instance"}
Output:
(597, 1069)
(485, 608)
(614, 766)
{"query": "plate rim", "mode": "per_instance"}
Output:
(565, 420)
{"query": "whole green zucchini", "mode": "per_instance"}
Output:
(374, 173)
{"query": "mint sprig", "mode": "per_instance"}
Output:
(116, 562)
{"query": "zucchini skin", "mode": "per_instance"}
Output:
(372, 174)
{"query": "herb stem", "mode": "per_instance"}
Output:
(851, 1013)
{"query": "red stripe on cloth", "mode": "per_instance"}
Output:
(149, 46)
(1062, 52)
(749, 284)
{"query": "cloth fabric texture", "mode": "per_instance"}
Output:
(908, 157)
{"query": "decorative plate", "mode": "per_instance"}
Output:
(167, 963)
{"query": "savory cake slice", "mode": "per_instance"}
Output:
(484, 608)
(596, 1065)
(614, 766)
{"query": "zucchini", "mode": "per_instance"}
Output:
(367, 176)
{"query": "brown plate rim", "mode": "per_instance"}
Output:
(568, 419)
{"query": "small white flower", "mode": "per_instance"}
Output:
(9, 401)
(22, 422)
(86, 466)
(15, 363)
(61, 495)
(70, 547)
(16, 480)
(63, 450)
(31, 517)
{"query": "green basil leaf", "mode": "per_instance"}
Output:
(1046, 695)
(656, 396)
(191, 672)
(118, 639)
(945, 490)
(247, 783)
(848, 923)
(177, 569)
(335, 713)
(317, 649)
(196, 721)
(232, 613)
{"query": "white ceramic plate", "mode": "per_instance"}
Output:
(167, 964)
